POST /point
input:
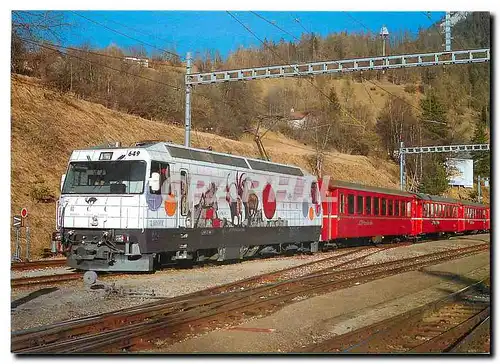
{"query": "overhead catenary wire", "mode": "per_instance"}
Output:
(134, 29)
(433, 24)
(382, 88)
(92, 52)
(275, 25)
(57, 48)
(54, 48)
(275, 53)
(126, 35)
(297, 19)
(358, 22)
(288, 33)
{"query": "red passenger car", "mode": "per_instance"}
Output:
(435, 215)
(475, 217)
(355, 211)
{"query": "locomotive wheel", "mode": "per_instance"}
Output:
(90, 277)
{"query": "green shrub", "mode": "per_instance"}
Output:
(40, 192)
(411, 88)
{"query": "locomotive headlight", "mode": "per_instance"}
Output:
(188, 221)
(121, 238)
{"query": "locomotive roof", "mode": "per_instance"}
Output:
(182, 152)
(203, 155)
(356, 186)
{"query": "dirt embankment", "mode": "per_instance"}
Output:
(46, 126)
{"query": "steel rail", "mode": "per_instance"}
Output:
(194, 310)
(482, 328)
(46, 279)
(38, 264)
(376, 337)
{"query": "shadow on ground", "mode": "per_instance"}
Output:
(32, 296)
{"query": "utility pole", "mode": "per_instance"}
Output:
(401, 167)
(384, 33)
(187, 135)
(447, 32)
(479, 189)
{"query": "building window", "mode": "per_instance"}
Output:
(368, 205)
(359, 206)
(350, 204)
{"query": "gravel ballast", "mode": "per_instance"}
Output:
(74, 299)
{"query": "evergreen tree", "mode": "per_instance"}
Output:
(435, 177)
(334, 106)
(433, 114)
(481, 159)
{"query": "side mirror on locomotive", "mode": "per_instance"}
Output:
(154, 181)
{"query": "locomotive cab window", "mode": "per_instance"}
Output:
(359, 206)
(350, 204)
(164, 170)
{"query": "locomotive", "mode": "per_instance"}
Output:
(140, 207)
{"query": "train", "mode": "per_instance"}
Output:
(140, 207)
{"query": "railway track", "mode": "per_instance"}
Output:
(172, 319)
(45, 279)
(56, 278)
(38, 264)
(452, 324)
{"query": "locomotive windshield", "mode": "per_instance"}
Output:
(120, 177)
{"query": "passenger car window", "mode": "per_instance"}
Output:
(350, 204)
(396, 207)
(384, 207)
(359, 208)
(341, 204)
(376, 206)
(368, 205)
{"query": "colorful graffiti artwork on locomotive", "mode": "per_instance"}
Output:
(245, 207)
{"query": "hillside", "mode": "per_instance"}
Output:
(48, 125)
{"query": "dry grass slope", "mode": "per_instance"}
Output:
(47, 126)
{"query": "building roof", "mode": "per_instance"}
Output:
(298, 115)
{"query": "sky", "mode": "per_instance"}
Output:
(198, 31)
